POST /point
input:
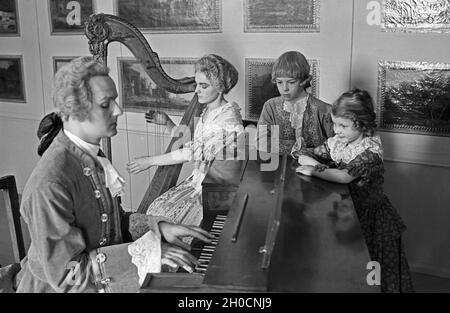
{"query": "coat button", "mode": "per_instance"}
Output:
(104, 217)
(100, 258)
(102, 241)
(87, 171)
(98, 194)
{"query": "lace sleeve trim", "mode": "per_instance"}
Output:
(146, 255)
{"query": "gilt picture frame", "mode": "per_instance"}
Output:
(68, 17)
(414, 97)
(12, 86)
(295, 16)
(172, 16)
(59, 61)
(9, 18)
(139, 93)
(415, 16)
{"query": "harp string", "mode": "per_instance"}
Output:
(130, 193)
(148, 149)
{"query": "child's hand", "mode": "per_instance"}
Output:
(306, 170)
(307, 160)
(139, 165)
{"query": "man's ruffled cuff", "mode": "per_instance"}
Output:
(146, 254)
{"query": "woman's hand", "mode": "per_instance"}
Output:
(139, 165)
(157, 117)
(307, 160)
(173, 233)
(306, 170)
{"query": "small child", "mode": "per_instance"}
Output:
(302, 119)
(356, 156)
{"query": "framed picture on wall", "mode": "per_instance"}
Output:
(414, 97)
(68, 17)
(11, 78)
(139, 93)
(9, 19)
(61, 61)
(172, 16)
(416, 16)
(281, 16)
(259, 86)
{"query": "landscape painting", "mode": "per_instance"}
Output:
(11, 79)
(281, 15)
(68, 17)
(416, 16)
(172, 16)
(414, 97)
(8, 18)
(139, 93)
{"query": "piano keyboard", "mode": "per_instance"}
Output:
(207, 250)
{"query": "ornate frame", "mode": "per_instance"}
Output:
(419, 74)
(253, 107)
(406, 16)
(19, 59)
(79, 30)
(166, 104)
(299, 27)
(16, 17)
(63, 59)
(214, 27)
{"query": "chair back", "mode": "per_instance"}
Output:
(11, 199)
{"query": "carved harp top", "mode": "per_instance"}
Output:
(101, 29)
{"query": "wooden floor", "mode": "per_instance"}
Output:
(430, 284)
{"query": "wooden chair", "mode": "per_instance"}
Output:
(11, 199)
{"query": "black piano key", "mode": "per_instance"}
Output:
(204, 251)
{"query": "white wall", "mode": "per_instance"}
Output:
(421, 195)
(348, 50)
(18, 120)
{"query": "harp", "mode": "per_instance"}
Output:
(103, 29)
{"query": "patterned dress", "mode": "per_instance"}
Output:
(214, 136)
(382, 226)
(310, 121)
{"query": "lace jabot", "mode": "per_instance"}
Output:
(114, 182)
(342, 152)
(297, 110)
